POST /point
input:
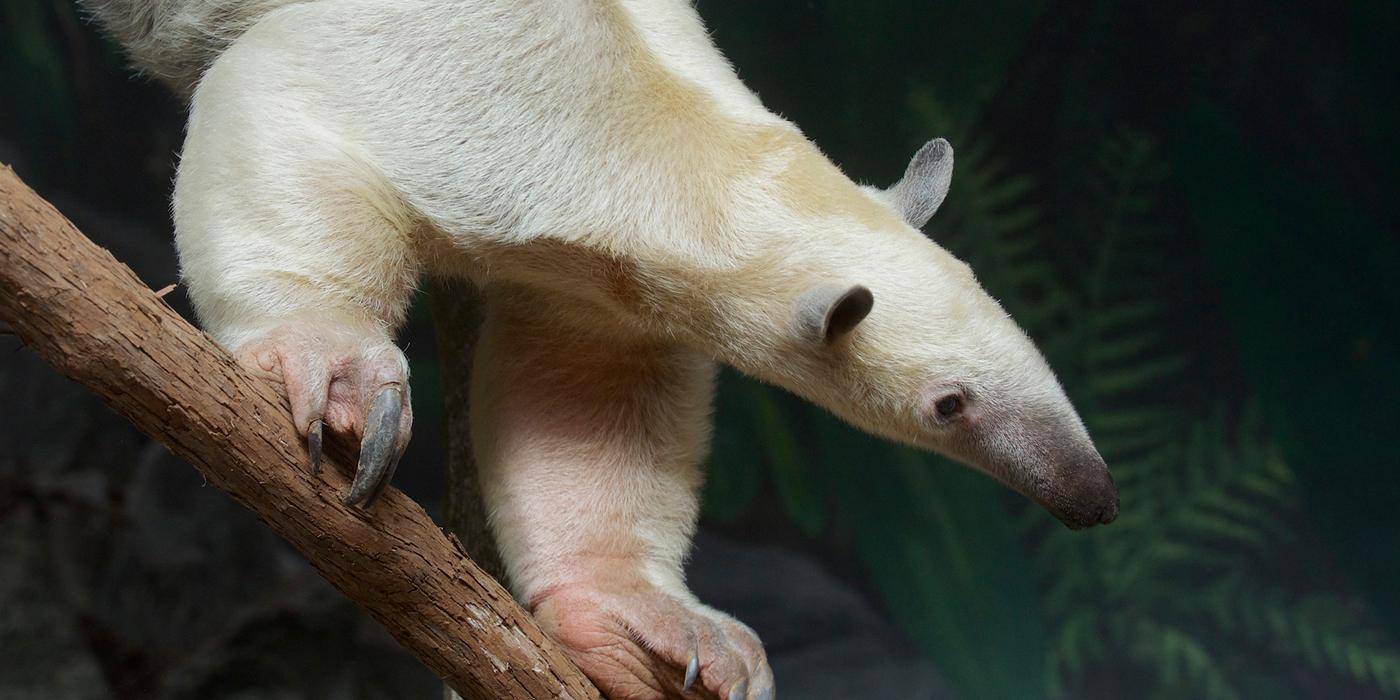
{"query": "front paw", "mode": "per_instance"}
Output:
(646, 644)
(348, 379)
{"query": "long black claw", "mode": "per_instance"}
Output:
(313, 445)
(379, 448)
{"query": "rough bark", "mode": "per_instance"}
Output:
(89, 316)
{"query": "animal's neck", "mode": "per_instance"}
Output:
(702, 207)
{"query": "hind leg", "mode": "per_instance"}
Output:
(300, 260)
(589, 447)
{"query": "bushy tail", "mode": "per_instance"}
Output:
(176, 40)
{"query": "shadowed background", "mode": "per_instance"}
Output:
(1190, 206)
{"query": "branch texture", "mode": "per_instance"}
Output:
(90, 317)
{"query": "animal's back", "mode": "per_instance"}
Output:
(488, 116)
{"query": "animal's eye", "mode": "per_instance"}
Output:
(949, 406)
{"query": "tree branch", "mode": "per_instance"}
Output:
(90, 317)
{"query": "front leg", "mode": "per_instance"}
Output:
(300, 260)
(590, 448)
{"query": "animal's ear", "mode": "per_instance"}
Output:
(925, 183)
(829, 311)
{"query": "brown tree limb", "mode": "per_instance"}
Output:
(90, 317)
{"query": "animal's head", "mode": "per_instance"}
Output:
(894, 334)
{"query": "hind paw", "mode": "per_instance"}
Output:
(650, 645)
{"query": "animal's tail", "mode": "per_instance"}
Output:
(176, 40)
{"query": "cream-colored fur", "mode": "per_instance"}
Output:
(634, 214)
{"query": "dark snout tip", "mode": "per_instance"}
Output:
(1088, 510)
(1110, 511)
(1102, 515)
(1082, 520)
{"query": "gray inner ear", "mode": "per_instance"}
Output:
(830, 311)
(924, 186)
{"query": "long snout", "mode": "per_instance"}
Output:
(1076, 487)
(1079, 492)
(1047, 456)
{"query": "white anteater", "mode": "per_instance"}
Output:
(632, 214)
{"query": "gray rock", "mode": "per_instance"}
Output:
(823, 639)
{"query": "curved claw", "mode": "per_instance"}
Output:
(388, 477)
(692, 672)
(379, 449)
(313, 445)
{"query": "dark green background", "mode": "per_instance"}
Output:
(1191, 206)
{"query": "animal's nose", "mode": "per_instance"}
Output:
(1102, 493)
(1109, 512)
(1088, 496)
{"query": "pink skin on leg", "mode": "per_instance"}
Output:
(589, 448)
(637, 641)
(345, 379)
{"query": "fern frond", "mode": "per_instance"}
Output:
(1208, 506)
(1201, 499)
(1178, 656)
(1319, 630)
(1078, 644)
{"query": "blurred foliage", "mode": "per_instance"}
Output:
(1328, 287)
(1209, 503)
(1231, 571)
